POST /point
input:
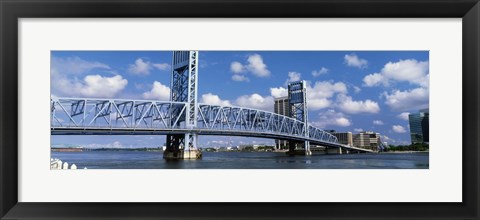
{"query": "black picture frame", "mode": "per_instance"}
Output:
(12, 10)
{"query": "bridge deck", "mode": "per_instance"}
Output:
(144, 117)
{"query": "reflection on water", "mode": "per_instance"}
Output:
(242, 160)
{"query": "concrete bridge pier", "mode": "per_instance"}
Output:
(299, 148)
(178, 150)
(334, 150)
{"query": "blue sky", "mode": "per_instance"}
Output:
(348, 90)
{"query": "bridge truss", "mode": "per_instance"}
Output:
(146, 117)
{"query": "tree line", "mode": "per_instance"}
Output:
(411, 147)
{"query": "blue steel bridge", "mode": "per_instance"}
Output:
(182, 118)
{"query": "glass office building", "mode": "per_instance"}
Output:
(419, 126)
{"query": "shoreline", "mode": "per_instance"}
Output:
(142, 150)
(407, 151)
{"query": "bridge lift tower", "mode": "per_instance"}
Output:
(297, 96)
(184, 83)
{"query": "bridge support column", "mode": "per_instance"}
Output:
(307, 148)
(184, 89)
(333, 150)
(295, 148)
(297, 102)
(177, 149)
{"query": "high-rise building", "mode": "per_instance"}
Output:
(282, 107)
(419, 126)
(344, 138)
(367, 139)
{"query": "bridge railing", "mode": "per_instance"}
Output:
(72, 113)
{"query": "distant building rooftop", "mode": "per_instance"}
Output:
(424, 110)
(282, 98)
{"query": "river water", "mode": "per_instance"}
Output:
(242, 160)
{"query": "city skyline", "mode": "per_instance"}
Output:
(347, 90)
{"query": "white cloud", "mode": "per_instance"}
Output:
(412, 71)
(318, 95)
(159, 92)
(317, 104)
(236, 67)
(240, 78)
(403, 116)
(141, 67)
(398, 129)
(424, 81)
(212, 99)
(357, 89)
(390, 141)
(377, 122)
(332, 118)
(386, 138)
(74, 65)
(355, 61)
(374, 80)
(254, 65)
(346, 104)
(293, 77)
(322, 71)
(326, 89)
(96, 85)
(406, 70)
(343, 122)
(161, 66)
(407, 100)
(256, 101)
(92, 86)
(357, 129)
(278, 92)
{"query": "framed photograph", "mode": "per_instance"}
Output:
(249, 110)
